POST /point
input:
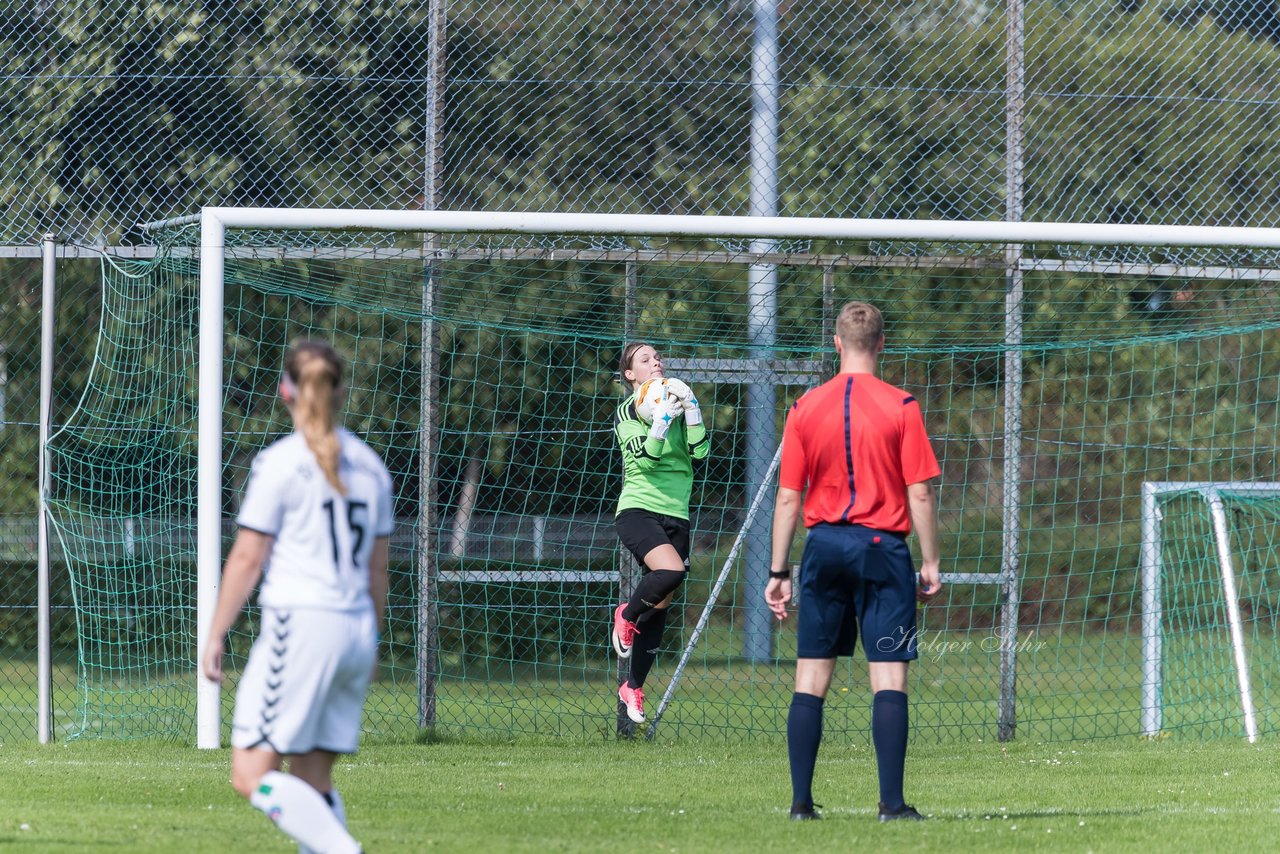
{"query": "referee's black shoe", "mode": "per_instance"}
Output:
(805, 812)
(903, 813)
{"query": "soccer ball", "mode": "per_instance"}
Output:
(649, 395)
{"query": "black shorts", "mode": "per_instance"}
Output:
(641, 531)
(852, 577)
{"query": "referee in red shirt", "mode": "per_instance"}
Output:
(856, 449)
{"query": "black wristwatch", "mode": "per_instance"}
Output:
(784, 573)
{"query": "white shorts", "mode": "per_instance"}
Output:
(305, 684)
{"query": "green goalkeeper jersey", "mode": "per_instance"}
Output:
(657, 475)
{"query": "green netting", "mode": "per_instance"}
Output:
(1199, 680)
(1254, 525)
(121, 510)
(1129, 373)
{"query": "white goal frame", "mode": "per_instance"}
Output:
(214, 223)
(1152, 588)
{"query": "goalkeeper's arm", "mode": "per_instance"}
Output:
(641, 443)
(696, 430)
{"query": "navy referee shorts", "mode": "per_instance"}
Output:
(854, 578)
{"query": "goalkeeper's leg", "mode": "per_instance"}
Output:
(654, 591)
(648, 642)
(294, 804)
(661, 543)
(666, 571)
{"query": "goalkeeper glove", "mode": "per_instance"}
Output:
(692, 414)
(663, 414)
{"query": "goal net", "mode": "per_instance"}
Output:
(483, 349)
(1210, 556)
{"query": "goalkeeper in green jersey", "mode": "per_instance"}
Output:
(653, 510)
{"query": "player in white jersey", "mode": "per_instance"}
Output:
(315, 524)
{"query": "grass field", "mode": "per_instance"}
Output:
(475, 796)
(1076, 778)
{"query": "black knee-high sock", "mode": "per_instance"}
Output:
(804, 734)
(648, 641)
(889, 734)
(652, 589)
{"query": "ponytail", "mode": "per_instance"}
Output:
(315, 370)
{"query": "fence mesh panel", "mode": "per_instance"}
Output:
(120, 111)
(20, 322)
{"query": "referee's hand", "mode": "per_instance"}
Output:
(930, 581)
(777, 594)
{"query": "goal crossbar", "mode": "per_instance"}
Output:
(214, 220)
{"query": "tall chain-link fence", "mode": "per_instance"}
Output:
(1087, 110)
(119, 112)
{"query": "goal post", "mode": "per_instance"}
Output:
(209, 403)
(491, 384)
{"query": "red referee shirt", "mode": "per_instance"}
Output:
(854, 443)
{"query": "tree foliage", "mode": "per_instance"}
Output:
(127, 111)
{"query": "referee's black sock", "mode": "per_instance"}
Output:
(645, 650)
(804, 734)
(889, 735)
(652, 589)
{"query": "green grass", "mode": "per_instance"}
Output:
(1109, 796)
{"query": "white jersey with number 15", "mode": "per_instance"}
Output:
(323, 539)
